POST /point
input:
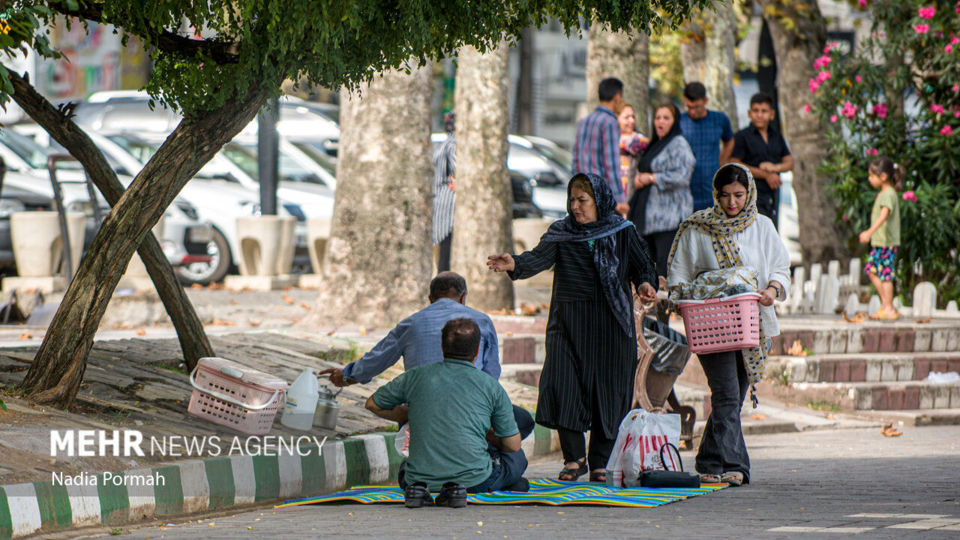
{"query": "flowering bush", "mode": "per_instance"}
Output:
(899, 96)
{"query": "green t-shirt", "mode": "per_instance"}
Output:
(888, 235)
(452, 405)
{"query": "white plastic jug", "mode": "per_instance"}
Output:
(301, 402)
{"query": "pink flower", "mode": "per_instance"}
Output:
(927, 12)
(880, 109)
(823, 76)
(846, 217)
(947, 131)
(921, 29)
(910, 196)
(956, 88)
(936, 108)
(833, 118)
(956, 114)
(813, 85)
(954, 40)
(863, 3)
(807, 108)
(826, 48)
(849, 110)
(822, 61)
(872, 151)
(948, 48)
(858, 78)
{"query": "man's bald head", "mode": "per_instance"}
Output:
(448, 285)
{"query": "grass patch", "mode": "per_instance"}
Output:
(351, 353)
(168, 367)
(823, 406)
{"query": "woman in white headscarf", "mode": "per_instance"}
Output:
(730, 234)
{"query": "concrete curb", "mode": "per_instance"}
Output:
(210, 484)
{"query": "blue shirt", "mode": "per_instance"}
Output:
(596, 149)
(417, 340)
(705, 136)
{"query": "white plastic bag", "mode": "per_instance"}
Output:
(639, 439)
(402, 440)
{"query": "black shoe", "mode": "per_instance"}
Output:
(453, 495)
(417, 495)
(521, 485)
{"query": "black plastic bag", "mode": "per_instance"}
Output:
(670, 349)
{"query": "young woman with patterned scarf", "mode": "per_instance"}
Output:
(730, 234)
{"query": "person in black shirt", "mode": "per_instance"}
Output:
(763, 150)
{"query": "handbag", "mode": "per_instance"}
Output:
(667, 478)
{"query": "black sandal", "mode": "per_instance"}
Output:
(571, 475)
(599, 476)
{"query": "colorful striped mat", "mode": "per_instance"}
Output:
(542, 491)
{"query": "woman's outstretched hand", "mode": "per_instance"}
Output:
(647, 293)
(767, 296)
(501, 263)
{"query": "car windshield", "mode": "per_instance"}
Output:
(140, 149)
(563, 157)
(244, 155)
(318, 155)
(25, 148)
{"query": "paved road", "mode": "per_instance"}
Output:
(820, 484)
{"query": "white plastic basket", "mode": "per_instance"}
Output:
(235, 396)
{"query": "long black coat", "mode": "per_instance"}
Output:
(589, 357)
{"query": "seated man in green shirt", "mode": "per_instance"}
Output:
(463, 436)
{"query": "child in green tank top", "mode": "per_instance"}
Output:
(884, 233)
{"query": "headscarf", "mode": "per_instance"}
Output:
(601, 233)
(638, 202)
(715, 223)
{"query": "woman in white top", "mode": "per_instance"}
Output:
(731, 233)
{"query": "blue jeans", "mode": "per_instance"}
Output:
(508, 467)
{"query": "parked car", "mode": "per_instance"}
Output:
(26, 161)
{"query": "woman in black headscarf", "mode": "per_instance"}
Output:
(587, 378)
(663, 199)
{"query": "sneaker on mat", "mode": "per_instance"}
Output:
(417, 495)
(453, 495)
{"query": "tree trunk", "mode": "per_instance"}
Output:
(720, 66)
(483, 216)
(56, 372)
(193, 340)
(797, 44)
(523, 106)
(378, 259)
(625, 56)
(707, 51)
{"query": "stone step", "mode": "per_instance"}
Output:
(862, 367)
(522, 349)
(834, 336)
(528, 374)
(896, 396)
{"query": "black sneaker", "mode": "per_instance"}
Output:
(417, 495)
(453, 495)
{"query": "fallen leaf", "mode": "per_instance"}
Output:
(543, 305)
(306, 306)
(509, 334)
(330, 333)
(221, 322)
(253, 322)
(856, 319)
(363, 331)
(196, 286)
(26, 335)
(758, 416)
(529, 310)
(890, 431)
(924, 320)
(288, 300)
(233, 302)
(797, 349)
(216, 286)
(141, 331)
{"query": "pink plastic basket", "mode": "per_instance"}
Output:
(722, 324)
(233, 395)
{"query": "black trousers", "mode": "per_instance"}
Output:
(573, 445)
(659, 245)
(722, 448)
(443, 261)
(768, 204)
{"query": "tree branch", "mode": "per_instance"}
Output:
(57, 122)
(221, 52)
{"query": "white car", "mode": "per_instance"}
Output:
(218, 196)
(27, 157)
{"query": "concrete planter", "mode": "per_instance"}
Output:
(260, 239)
(37, 245)
(288, 244)
(318, 233)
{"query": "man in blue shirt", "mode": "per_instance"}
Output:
(711, 139)
(463, 437)
(596, 150)
(417, 338)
